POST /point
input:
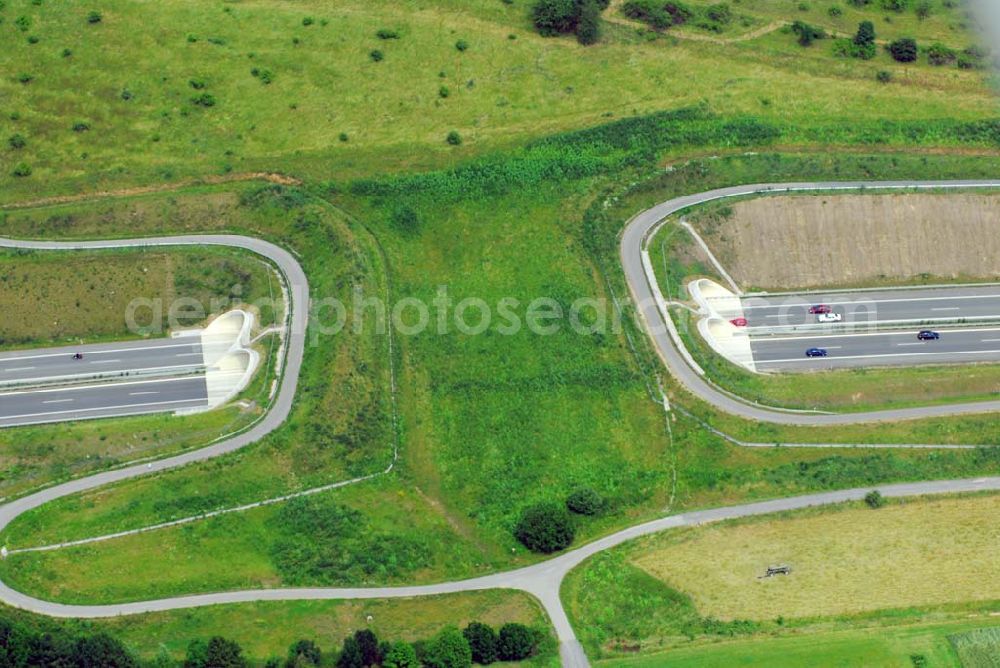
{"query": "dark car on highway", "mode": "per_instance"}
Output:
(819, 308)
(816, 352)
(928, 335)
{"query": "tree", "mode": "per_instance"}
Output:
(448, 649)
(14, 645)
(517, 642)
(554, 17)
(585, 501)
(350, 654)
(17, 141)
(401, 655)
(588, 29)
(368, 644)
(102, 651)
(454, 138)
(216, 653)
(806, 33)
(303, 654)
(545, 527)
(874, 499)
(482, 641)
(904, 50)
(866, 34)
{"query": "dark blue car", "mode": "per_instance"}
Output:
(816, 352)
(928, 335)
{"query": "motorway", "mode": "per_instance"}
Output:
(176, 355)
(886, 306)
(544, 579)
(891, 347)
(108, 399)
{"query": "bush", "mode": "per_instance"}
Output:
(516, 642)
(25, 78)
(883, 76)
(656, 13)
(453, 138)
(895, 5)
(126, 94)
(385, 33)
(23, 23)
(545, 528)
(720, 13)
(203, 100)
(376, 55)
(448, 649)
(462, 45)
(197, 84)
(308, 21)
(865, 35)
(588, 29)
(585, 501)
(350, 654)
(17, 141)
(904, 50)
(554, 17)
(401, 655)
(807, 33)
(923, 9)
(443, 91)
(483, 642)
(303, 654)
(835, 11)
(874, 499)
(216, 653)
(939, 54)
(81, 126)
(94, 17)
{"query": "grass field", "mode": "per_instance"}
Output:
(891, 576)
(316, 85)
(882, 648)
(83, 297)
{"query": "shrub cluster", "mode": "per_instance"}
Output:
(807, 34)
(657, 13)
(563, 17)
(903, 50)
(545, 528)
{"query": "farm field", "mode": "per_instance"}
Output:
(832, 241)
(890, 575)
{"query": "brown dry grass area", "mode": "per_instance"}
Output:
(857, 240)
(845, 561)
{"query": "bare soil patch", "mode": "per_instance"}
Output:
(809, 241)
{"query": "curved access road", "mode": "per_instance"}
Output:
(649, 305)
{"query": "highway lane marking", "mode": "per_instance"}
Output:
(819, 300)
(21, 368)
(57, 401)
(104, 361)
(849, 335)
(69, 352)
(137, 394)
(947, 308)
(861, 357)
(989, 340)
(911, 343)
(107, 408)
(188, 354)
(103, 385)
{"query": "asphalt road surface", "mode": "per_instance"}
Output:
(543, 580)
(900, 347)
(889, 306)
(160, 356)
(108, 399)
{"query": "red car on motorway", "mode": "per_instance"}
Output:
(739, 322)
(820, 308)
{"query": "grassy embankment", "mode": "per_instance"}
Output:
(95, 116)
(83, 297)
(884, 584)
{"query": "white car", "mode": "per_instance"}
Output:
(829, 317)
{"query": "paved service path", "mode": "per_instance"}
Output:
(544, 579)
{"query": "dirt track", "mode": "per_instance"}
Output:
(854, 240)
